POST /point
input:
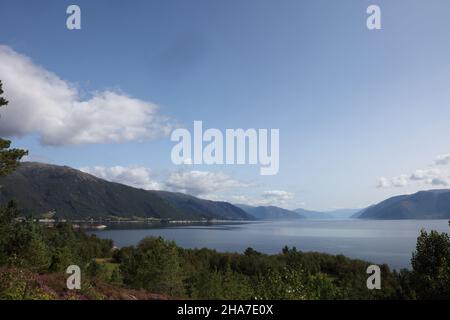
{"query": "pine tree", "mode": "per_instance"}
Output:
(9, 158)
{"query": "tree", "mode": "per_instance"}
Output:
(226, 285)
(154, 265)
(321, 287)
(116, 277)
(60, 259)
(9, 158)
(284, 284)
(431, 266)
(8, 214)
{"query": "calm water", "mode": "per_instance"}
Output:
(390, 242)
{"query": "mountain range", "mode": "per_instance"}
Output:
(39, 188)
(309, 214)
(431, 204)
(270, 212)
(277, 213)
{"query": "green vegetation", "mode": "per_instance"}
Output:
(30, 245)
(431, 266)
(34, 257)
(9, 158)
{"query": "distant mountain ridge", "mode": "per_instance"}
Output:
(343, 213)
(314, 215)
(72, 194)
(277, 213)
(270, 212)
(431, 204)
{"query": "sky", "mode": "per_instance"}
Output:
(363, 114)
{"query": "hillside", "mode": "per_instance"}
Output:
(308, 214)
(432, 204)
(270, 212)
(40, 188)
(343, 213)
(277, 213)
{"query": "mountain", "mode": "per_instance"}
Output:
(270, 212)
(39, 188)
(343, 213)
(276, 213)
(309, 214)
(432, 204)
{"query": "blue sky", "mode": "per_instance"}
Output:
(353, 106)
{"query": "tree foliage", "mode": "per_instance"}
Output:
(161, 267)
(9, 158)
(154, 265)
(431, 266)
(26, 243)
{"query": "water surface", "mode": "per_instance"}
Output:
(378, 241)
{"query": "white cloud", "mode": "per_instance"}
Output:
(138, 177)
(242, 199)
(206, 184)
(201, 183)
(42, 103)
(397, 182)
(443, 159)
(277, 197)
(383, 182)
(441, 181)
(400, 181)
(268, 198)
(434, 175)
(425, 174)
(214, 186)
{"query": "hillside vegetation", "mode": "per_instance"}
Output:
(33, 260)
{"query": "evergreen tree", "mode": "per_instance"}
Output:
(8, 214)
(9, 158)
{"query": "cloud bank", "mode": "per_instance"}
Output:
(216, 186)
(42, 103)
(138, 177)
(437, 175)
(279, 197)
(443, 159)
(201, 183)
